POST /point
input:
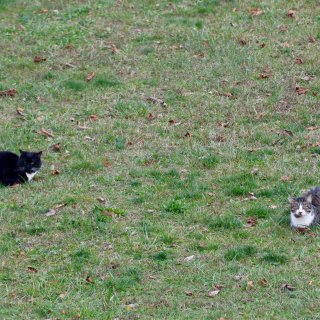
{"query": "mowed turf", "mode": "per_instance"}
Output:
(173, 207)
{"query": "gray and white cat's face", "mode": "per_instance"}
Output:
(301, 207)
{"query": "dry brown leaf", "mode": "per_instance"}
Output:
(189, 293)
(265, 76)
(61, 205)
(38, 59)
(312, 39)
(55, 172)
(283, 28)
(89, 280)
(94, 117)
(107, 163)
(114, 49)
(286, 178)
(312, 128)
(101, 200)
(243, 42)
(302, 229)
(228, 94)
(213, 293)
(32, 269)
(90, 76)
(287, 286)
(299, 61)
(189, 258)
(56, 147)
(263, 282)
(300, 90)
(51, 212)
(46, 133)
(21, 27)
(187, 135)
(157, 101)
(251, 222)
(151, 116)
(256, 12)
(43, 10)
(250, 285)
(20, 112)
(9, 92)
(291, 13)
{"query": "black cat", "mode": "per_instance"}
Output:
(15, 169)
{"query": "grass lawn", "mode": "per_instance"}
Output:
(168, 189)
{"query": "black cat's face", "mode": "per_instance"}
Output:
(30, 162)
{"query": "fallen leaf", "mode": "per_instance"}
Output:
(56, 147)
(213, 293)
(55, 172)
(20, 112)
(243, 42)
(187, 135)
(312, 39)
(250, 285)
(263, 282)
(151, 116)
(286, 178)
(302, 229)
(94, 117)
(189, 258)
(171, 122)
(299, 61)
(129, 143)
(152, 277)
(262, 45)
(9, 92)
(223, 124)
(21, 27)
(114, 49)
(131, 306)
(256, 12)
(287, 286)
(89, 280)
(69, 46)
(251, 222)
(51, 212)
(228, 94)
(63, 295)
(107, 163)
(45, 133)
(291, 13)
(43, 11)
(157, 101)
(265, 76)
(283, 28)
(32, 269)
(38, 59)
(75, 317)
(61, 205)
(40, 118)
(189, 293)
(101, 200)
(90, 76)
(300, 90)
(312, 128)
(255, 171)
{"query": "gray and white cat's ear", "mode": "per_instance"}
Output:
(290, 199)
(309, 198)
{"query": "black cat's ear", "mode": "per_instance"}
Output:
(21, 152)
(39, 154)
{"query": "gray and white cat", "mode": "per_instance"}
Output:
(305, 210)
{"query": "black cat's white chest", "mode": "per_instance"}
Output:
(31, 175)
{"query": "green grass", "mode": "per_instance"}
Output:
(152, 202)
